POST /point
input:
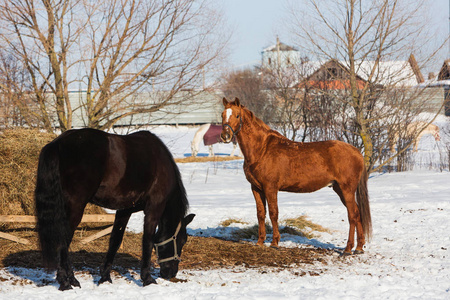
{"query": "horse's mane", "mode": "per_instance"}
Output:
(255, 119)
(261, 123)
(177, 203)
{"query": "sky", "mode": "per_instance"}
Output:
(256, 24)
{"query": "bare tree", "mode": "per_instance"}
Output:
(41, 34)
(283, 84)
(249, 87)
(136, 46)
(365, 36)
(17, 108)
(113, 50)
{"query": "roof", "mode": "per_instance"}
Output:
(444, 73)
(386, 73)
(281, 46)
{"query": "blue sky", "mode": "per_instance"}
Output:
(257, 23)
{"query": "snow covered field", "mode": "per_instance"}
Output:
(408, 257)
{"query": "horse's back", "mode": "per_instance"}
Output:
(306, 167)
(111, 170)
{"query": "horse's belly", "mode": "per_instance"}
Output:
(115, 200)
(306, 185)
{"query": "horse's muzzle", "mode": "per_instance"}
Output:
(227, 134)
(225, 137)
(169, 270)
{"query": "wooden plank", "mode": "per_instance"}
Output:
(18, 219)
(14, 238)
(97, 235)
(98, 218)
(109, 218)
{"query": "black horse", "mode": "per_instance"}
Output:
(127, 173)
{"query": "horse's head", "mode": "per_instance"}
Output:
(231, 120)
(169, 246)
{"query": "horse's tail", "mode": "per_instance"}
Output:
(52, 223)
(362, 196)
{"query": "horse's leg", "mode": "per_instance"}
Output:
(64, 275)
(194, 147)
(150, 223)
(348, 199)
(260, 199)
(120, 223)
(272, 202)
(211, 152)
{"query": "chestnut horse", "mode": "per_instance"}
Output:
(274, 163)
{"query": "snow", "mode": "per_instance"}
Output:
(407, 258)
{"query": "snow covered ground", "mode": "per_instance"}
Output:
(408, 257)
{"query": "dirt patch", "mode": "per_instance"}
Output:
(199, 253)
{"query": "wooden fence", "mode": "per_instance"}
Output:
(109, 218)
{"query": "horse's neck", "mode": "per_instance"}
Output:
(252, 137)
(169, 221)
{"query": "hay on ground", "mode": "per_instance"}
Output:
(19, 155)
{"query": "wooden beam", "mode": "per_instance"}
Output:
(108, 218)
(97, 235)
(18, 219)
(98, 218)
(14, 238)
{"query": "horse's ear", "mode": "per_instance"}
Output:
(237, 102)
(188, 219)
(225, 101)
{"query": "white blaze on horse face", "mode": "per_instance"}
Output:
(228, 112)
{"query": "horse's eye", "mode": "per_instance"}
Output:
(237, 116)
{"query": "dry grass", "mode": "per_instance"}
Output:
(19, 155)
(300, 226)
(306, 226)
(198, 254)
(228, 222)
(251, 232)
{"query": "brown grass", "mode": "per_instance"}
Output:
(306, 226)
(198, 254)
(300, 226)
(19, 155)
(228, 222)
(19, 152)
(251, 232)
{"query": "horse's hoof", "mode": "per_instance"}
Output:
(358, 252)
(274, 247)
(74, 282)
(65, 286)
(346, 254)
(149, 281)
